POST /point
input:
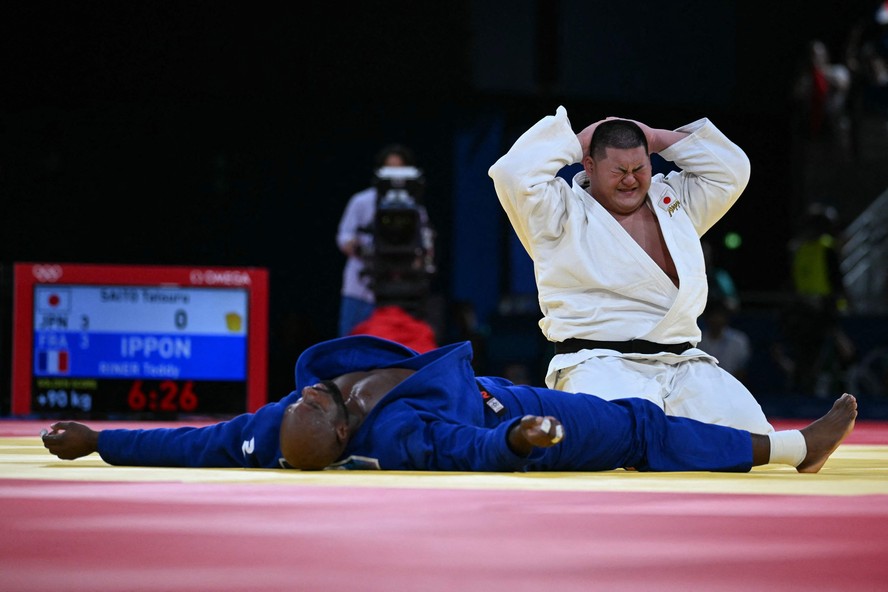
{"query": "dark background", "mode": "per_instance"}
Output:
(222, 133)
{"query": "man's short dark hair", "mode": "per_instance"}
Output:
(616, 133)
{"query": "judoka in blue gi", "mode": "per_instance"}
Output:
(363, 402)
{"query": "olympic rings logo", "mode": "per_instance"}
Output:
(47, 273)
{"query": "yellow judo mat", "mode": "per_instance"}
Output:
(854, 469)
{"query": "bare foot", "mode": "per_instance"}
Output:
(824, 435)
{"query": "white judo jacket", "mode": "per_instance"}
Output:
(593, 280)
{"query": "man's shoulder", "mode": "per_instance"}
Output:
(363, 202)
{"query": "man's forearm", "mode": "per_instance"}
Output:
(663, 139)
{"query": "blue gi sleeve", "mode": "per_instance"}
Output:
(426, 443)
(248, 440)
(470, 448)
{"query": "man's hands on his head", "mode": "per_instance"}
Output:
(535, 431)
(585, 136)
(69, 440)
(650, 134)
(657, 139)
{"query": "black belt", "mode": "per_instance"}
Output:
(633, 346)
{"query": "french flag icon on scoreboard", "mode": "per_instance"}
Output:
(53, 361)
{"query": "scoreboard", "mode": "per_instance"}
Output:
(138, 341)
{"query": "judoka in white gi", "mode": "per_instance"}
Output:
(618, 262)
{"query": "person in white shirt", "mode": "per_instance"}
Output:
(355, 238)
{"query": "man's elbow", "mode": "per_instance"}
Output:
(494, 172)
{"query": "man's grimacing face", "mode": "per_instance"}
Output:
(619, 181)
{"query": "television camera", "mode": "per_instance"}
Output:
(400, 259)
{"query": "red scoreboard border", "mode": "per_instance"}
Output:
(27, 275)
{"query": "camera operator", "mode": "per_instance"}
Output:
(369, 267)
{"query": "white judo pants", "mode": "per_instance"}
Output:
(697, 388)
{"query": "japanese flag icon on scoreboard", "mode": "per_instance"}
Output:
(54, 300)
